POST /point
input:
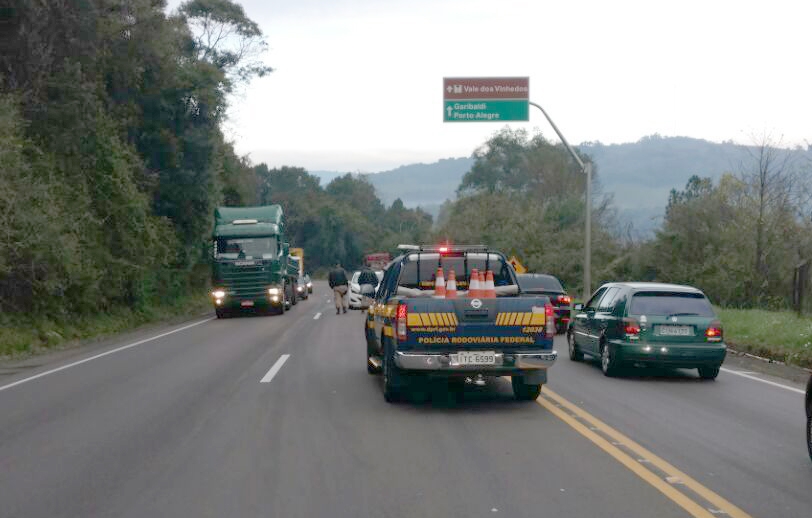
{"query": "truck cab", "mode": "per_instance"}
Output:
(250, 261)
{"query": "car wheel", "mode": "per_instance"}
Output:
(708, 373)
(575, 354)
(391, 375)
(609, 364)
(809, 435)
(523, 391)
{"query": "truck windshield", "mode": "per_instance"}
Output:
(246, 248)
(422, 277)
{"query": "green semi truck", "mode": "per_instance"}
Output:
(251, 267)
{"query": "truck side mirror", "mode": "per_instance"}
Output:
(578, 307)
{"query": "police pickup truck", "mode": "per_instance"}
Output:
(455, 311)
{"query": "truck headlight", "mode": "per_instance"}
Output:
(218, 294)
(273, 291)
(309, 284)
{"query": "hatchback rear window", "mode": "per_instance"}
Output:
(665, 303)
(422, 277)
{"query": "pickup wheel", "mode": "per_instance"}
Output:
(575, 354)
(391, 375)
(370, 352)
(522, 391)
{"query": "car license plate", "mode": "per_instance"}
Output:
(476, 358)
(247, 303)
(675, 331)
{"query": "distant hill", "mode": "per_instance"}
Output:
(638, 175)
(642, 173)
(424, 185)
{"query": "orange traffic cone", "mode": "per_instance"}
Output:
(439, 284)
(489, 292)
(473, 284)
(451, 288)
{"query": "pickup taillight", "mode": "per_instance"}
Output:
(549, 317)
(401, 316)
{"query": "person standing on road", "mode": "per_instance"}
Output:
(368, 282)
(340, 285)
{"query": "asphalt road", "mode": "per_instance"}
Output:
(276, 416)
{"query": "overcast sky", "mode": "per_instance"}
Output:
(357, 84)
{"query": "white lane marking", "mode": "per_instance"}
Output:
(276, 366)
(317, 316)
(774, 384)
(112, 351)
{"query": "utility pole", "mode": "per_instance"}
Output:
(587, 170)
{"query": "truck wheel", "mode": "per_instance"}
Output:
(609, 364)
(575, 354)
(221, 312)
(294, 296)
(391, 375)
(522, 391)
(709, 373)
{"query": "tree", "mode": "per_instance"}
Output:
(225, 37)
(771, 181)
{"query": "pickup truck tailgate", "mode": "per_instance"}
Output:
(507, 324)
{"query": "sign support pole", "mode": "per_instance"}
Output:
(587, 170)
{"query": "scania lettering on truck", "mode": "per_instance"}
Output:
(250, 269)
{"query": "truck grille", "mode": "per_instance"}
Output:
(246, 282)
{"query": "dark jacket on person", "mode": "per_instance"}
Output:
(368, 277)
(337, 277)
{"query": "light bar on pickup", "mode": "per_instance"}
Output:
(444, 248)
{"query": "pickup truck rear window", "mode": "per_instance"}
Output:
(423, 277)
(670, 303)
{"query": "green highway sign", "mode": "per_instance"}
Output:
(490, 110)
(483, 99)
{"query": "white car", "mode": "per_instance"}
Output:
(356, 299)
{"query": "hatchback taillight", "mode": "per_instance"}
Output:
(631, 327)
(714, 332)
(401, 316)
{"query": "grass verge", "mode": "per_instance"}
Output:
(21, 335)
(778, 335)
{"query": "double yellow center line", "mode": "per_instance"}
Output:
(696, 499)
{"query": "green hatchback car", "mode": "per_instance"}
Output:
(644, 323)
